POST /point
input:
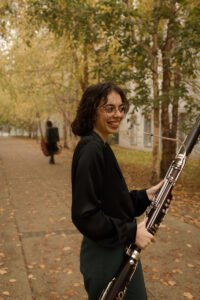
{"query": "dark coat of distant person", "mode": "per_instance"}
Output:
(52, 138)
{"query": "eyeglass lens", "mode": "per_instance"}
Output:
(109, 108)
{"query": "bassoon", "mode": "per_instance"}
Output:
(117, 287)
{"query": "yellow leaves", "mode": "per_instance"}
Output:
(186, 207)
(30, 266)
(62, 219)
(68, 271)
(179, 254)
(171, 282)
(188, 295)
(166, 278)
(6, 293)
(190, 265)
(163, 281)
(12, 280)
(1, 210)
(168, 282)
(177, 271)
(58, 259)
(67, 248)
(196, 222)
(3, 271)
(42, 266)
(76, 284)
(31, 276)
(155, 270)
(162, 225)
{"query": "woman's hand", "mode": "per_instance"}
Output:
(154, 189)
(143, 237)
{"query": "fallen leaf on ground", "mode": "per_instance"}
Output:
(177, 271)
(171, 282)
(76, 284)
(3, 271)
(31, 276)
(58, 259)
(30, 266)
(12, 280)
(155, 270)
(190, 266)
(42, 266)
(67, 248)
(6, 293)
(188, 295)
(163, 282)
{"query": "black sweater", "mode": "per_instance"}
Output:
(102, 207)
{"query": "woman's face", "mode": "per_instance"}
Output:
(109, 115)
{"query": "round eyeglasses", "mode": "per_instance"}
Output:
(112, 109)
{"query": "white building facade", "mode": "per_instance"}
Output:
(135, 131)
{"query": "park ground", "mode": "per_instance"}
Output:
(39, 246)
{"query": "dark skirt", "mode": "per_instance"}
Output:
(52, 148)
(99, 265)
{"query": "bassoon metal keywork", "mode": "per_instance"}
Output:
(117, 287)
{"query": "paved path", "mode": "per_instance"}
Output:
(39, 246)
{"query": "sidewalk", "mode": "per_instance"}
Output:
(39, 246)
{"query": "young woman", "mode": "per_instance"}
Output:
(103, 209)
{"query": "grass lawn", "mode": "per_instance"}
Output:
(139, 163)
(130, 156)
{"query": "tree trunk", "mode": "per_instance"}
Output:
(156, 109)
(155, 151)
(65, 131)
(177, 80)
(85, 79)
(165, 119)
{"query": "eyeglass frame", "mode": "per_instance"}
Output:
(114, 109)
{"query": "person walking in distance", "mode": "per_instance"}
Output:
(103, 209)
(52, 138)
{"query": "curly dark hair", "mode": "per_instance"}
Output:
(91, 98)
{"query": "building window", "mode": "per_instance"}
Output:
(147, 133)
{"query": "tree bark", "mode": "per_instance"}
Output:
(156, 108)
(85, 78)
(165, 120)
(66, 126)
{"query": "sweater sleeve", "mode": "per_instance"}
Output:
(87, 214)
(140, 200)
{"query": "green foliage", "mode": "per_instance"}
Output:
(102, 40)
(119, 37)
